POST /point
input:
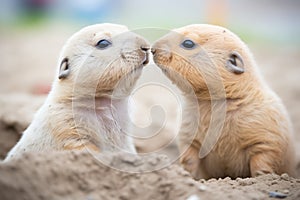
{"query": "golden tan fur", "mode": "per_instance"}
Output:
(88, 104)
(256, 137)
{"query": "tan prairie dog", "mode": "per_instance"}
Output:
(88, 104)
(255, 136)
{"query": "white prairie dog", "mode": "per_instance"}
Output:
(256, 136)
(88, 104)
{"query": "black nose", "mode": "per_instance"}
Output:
(145, 48)
(153, 51)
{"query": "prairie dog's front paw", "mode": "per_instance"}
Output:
(191, 162)
(261, 164)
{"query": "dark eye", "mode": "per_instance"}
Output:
(188, 44)
(102, 44)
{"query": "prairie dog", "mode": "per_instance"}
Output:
(83, 110)
(255, 136)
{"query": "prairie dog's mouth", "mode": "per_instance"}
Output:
(145, 51)
(146, 59)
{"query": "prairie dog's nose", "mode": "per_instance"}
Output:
(161, 49)
(153, 50)
(145, 47)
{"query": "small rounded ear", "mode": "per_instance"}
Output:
(235, 63)
(64, 69)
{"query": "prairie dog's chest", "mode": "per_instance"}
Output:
(227, 152)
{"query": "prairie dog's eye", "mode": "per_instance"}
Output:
(102, 44)
(188, 44)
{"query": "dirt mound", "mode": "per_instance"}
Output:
(80, 175)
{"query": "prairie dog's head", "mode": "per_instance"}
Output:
(95, 59)
(202, 55)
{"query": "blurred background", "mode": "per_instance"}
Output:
(32, 33)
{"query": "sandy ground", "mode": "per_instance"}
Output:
(79, 175)
(28, 65)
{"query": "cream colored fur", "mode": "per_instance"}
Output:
(89, 108)
(256, 136)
